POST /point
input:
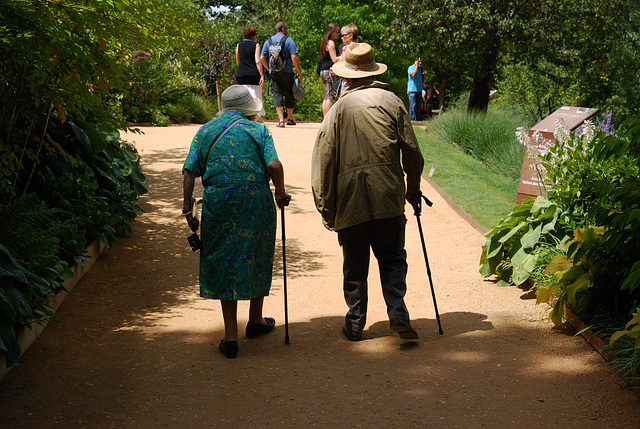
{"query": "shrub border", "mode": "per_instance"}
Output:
(29, 334)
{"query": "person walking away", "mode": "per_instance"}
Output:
(250, 73)
(364, 147)
(414, 89)
(282, 81)
(328, 56)
(238, 212)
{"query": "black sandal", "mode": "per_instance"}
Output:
(291, 122)
(257, 329)
(281, 124)
(229, 349)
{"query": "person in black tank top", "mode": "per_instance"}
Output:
(328, 56)
(250, 73)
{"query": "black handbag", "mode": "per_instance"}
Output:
(336, 86)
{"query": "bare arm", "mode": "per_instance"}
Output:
(187, 192)
(276, 171)
(263, 60)
(415, 69)
(259, 64)
(296, 63)
(237, 56)
(331, 48)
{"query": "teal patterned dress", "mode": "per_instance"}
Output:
(238, 224)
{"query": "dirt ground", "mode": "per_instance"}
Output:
(137, 347)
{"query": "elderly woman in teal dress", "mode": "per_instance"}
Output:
(238, 211)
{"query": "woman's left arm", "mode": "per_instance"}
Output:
(259, 64)
(237, 55)
(276, 171)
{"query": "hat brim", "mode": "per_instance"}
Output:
(250, 110)
(341, 70)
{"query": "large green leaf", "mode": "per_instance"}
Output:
(6, 308)
(531, 237)
(9, 267)
(513, 232)
(523, 265)
(9, 344)
(582, 283)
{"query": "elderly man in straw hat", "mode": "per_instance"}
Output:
(364, 144)
(236, 159)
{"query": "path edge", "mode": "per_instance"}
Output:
(31, 332)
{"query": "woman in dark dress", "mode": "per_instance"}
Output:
(328, 56)
(250, 73)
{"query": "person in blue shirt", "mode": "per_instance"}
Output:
(414, 90)
(282, 81)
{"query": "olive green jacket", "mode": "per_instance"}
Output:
(363, 145)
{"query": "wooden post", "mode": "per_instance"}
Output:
(218, 96)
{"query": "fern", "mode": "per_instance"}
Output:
(19, 219)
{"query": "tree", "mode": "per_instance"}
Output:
(63, 59)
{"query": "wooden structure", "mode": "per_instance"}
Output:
(530, 182)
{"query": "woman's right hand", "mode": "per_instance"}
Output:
(193, 223)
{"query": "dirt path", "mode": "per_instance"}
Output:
(136, 346)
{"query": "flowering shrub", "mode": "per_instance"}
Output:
(594, 178)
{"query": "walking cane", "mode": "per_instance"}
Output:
(426, 260)
(284, 275)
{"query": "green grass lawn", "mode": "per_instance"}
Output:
(485, 195)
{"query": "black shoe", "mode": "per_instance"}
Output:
(229, 349)
(257, 329)
(351, 335)
(404, 329)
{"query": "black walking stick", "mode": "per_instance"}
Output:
(426, 260)
(284, 275)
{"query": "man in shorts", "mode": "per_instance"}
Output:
(282, 81)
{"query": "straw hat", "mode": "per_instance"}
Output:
(237, 97)
(359, 61)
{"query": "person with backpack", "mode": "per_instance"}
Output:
(279, 55)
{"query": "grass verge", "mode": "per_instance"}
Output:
(485, 195)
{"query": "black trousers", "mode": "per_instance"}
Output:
(282, 89)
(386, 238)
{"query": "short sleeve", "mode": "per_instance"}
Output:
(269, 152)
(193, 162)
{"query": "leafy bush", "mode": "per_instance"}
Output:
(514, 245)
(159, 118)
(83, 194)
(30, 268)
(593, 178)
(198, 107)
(178, 114)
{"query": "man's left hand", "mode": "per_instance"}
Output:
(414, 200)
